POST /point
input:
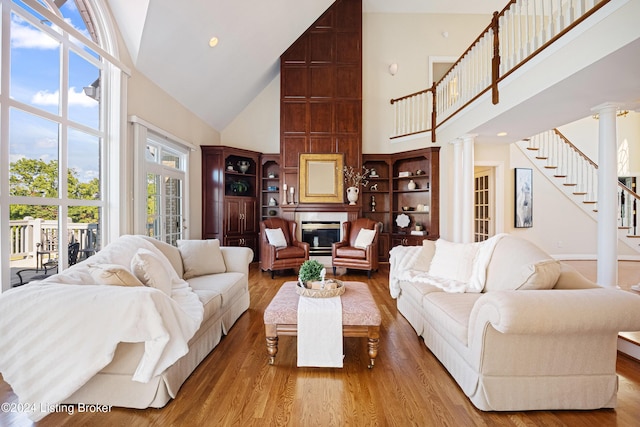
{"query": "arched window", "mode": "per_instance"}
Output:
(60, 86)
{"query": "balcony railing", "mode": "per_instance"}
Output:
(515, 35)
(29, 236)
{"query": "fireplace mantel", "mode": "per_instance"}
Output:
(289, 211)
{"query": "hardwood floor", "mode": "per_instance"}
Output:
(235, 385)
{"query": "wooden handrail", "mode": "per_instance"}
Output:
(593, 10)
(411, 95)
(628, 190)
(576, 149)
(496, 78)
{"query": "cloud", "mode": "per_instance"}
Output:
(24, 35)
(44, 97)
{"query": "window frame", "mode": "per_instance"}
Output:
(144, 132)
(111, 130)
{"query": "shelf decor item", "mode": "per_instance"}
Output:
(354, 179)
(411, 185)
(243, 165)
(352, 195)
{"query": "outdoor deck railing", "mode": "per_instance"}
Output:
(515, 35)
(27, 234)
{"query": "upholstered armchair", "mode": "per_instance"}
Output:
(357, 250)
(279, 247)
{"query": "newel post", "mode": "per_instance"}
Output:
(495, 61)
(433, 112)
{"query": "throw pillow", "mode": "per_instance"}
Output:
(201, 257)
(541, 275)
(113, 274)
(423, 262)
(275, 236)
(365, 238)
(512, 264)
(150, 269)
(453, 260)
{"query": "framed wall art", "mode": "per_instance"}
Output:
(523, 185)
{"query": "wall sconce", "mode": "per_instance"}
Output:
(393, 69)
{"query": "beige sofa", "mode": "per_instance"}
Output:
(225, 297)
(538, 335)
(137, 344)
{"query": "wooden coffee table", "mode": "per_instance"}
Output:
(360, 317)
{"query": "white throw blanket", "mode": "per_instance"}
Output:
(320, 332)
(403, 258)
(476, 282)
(55, 336)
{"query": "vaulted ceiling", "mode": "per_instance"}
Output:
(169, 43)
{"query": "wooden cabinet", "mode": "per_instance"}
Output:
(405, 184)
(229, 196)
(270, 189)
(415, 198)
(376, 197)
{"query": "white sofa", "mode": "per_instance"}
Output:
(220, 299)
(530, 333)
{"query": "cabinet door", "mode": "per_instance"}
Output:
(233, 209)
(249, 224)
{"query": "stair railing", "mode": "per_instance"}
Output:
(577, 170)
(515, 35)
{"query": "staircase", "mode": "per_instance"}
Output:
(573, 173)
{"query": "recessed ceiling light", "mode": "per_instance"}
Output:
(502, 134)
(213, 42)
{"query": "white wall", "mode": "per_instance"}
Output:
(584, 135)
(408, 40)
(147, 101)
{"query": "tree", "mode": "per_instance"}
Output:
(37, 178)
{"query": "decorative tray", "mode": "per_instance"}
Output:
(318, 289)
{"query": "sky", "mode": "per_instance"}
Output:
(36, 81)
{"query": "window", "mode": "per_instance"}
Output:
(54, 135)
(161, 183)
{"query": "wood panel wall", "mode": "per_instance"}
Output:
(321, 90)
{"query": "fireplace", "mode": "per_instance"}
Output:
(320, 235)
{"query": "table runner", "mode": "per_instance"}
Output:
(320, 332)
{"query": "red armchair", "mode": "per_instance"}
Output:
(346, 254)
(280, 258)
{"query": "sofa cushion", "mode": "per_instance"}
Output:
(152, 270)
(351, 252)
(217, 291)
(113, 274)
(451, 312)
(453, 260)
(289, 252)
(519, 264)
(423, 261)
(201, 257)
(417, 290)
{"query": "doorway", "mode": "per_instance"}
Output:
(484, 203)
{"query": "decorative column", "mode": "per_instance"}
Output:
(607, 253)
(467, 187)
(455, 190)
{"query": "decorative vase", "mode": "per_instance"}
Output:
(352, 195)
(243, 165)
(411, 185)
